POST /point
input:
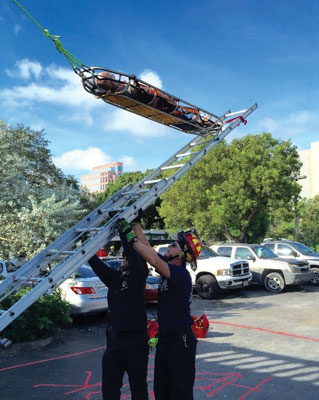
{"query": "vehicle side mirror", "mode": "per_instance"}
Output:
(295, 254)
(251, 258)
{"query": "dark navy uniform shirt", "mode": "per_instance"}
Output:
(174, 301)
(126, 291)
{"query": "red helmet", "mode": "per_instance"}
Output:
(191, 245)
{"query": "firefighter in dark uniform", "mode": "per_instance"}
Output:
(127, 349)
(174, 373)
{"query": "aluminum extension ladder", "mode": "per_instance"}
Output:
(48, 269)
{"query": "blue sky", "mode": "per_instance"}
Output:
(218, 55)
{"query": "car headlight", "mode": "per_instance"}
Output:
(294, 268)
(223, 272)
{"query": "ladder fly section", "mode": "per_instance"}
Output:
(47, 270)
(139, 97)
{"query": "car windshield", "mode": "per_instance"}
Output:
(85, 271)
(207, 253)
(263, 252)
(302, 248)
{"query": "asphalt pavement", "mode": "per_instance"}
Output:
(259, 346)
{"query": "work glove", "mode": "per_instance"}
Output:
(137, 220)
(124, 227)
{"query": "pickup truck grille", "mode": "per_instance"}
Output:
(242, 268)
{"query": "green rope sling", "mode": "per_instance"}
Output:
(74, 61)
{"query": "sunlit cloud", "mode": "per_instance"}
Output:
(152, 78)
(82, 159)
(62, 87)
(17, 29)
(53, 84)
(120, 120)
(130, 164)
(25, 69)
(290, 125)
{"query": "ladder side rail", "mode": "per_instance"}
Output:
(33, 267)
(143, 202)
(191, 144)
(156, 172)
(59, 274)
(159, 188)
(66, 268)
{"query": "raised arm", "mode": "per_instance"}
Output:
(146, 251)
(150, 256)
(138, 232)
(101, 269)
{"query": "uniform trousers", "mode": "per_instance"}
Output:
(174, 373)
(125, 352)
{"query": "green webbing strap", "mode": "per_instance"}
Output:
(75, 62)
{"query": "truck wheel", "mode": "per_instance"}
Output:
(274, 282)
(315, 279)
(207, 287)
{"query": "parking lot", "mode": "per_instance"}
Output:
(259, 346)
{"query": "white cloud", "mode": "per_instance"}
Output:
(120, 120)
(290, 125)
(17, 29)
(82, 159)
(61, 86)
(152, 78)
(25, 69)
(130, 164)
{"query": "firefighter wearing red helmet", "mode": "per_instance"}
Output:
(191, 245)
(174, 372)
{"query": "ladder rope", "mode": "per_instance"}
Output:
(74, 61)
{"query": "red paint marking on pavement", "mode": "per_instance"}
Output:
(255, 388)
(213, 379)
(265, 330)
(51, 359)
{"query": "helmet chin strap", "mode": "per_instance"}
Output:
(179, 255)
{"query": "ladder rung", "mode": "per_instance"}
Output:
(152, 181)
(172, 166)
(87, 230)
(64, 252)
(135, 193)
(186, 154)
(115, 210)
(235, 113)
(26, 279)
(203, 142)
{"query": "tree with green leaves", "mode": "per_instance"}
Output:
(230, 193)
(37, 201)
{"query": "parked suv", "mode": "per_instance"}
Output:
(296, 250)
(214, 273)
(267, 268)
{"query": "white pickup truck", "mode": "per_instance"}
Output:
(215, 273)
